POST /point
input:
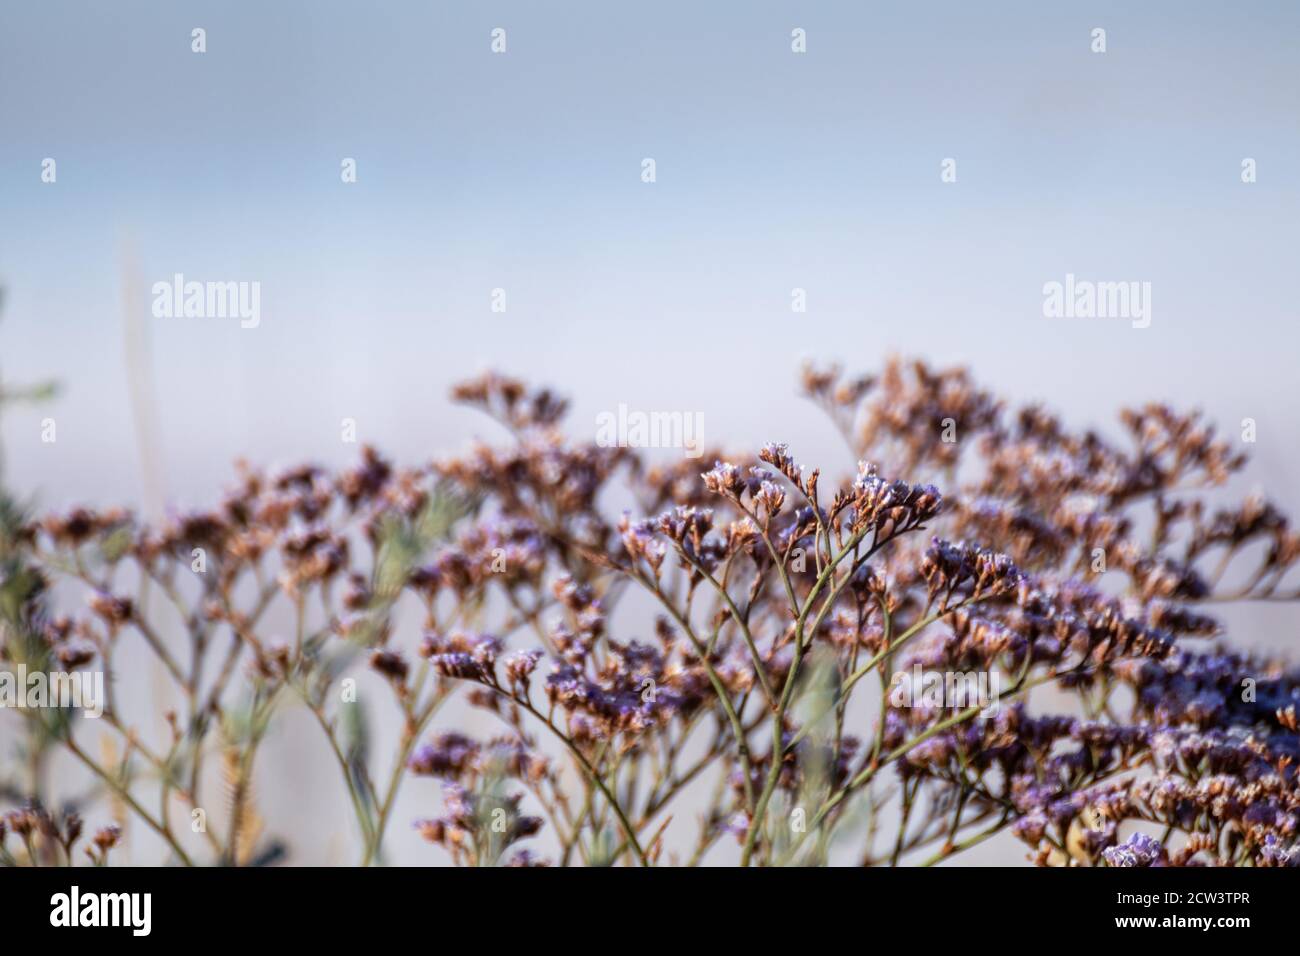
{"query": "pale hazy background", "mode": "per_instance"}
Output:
(522, 171)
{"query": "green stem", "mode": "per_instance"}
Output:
(125, 795)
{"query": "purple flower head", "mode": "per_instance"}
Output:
(1137, 850)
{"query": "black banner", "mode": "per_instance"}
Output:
(954, 905)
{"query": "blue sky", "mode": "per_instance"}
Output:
(521, 171)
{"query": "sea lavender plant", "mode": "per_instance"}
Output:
(741, 644)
